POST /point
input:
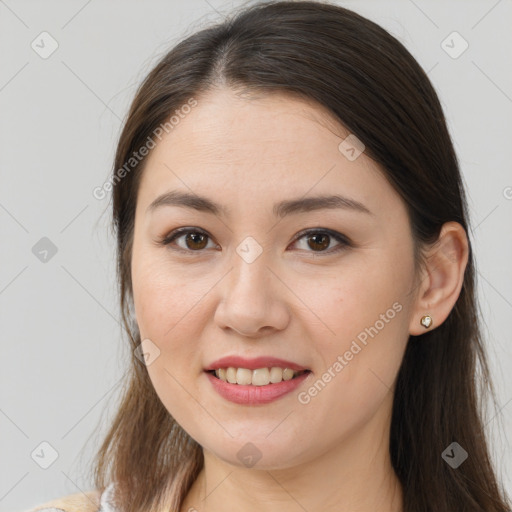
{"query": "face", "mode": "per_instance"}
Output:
(327, 288)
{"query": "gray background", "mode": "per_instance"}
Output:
(60, 117)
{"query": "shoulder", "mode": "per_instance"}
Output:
(80, 502)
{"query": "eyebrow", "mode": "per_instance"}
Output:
(281, 209)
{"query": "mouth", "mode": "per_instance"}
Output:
(257, 377)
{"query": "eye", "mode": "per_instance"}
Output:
(320, 240)
(194, 240)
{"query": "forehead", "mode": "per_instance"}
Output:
(272, 145)
(239, 122)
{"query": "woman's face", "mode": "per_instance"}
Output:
(248, 282)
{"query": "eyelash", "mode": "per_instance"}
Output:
(178, 233)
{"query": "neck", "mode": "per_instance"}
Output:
(354, 476)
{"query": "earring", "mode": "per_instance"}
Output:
(426, 321)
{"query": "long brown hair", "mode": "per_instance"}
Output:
(375, 88)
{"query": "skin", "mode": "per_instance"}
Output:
(293, 301)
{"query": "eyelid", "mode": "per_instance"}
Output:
(343, 240)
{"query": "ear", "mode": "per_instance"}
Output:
(442, 280)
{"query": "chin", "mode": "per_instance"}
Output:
(258, 453)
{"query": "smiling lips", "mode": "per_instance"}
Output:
(260, 371)
(258, 377)
(253, 364)
(254, 381)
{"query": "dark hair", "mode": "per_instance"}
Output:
(375, 88)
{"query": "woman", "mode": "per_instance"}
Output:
(296, 280)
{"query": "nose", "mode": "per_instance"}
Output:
(253, 300)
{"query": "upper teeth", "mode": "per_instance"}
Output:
(258, 377)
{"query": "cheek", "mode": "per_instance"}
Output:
(172, 311)
(355, 296)
(170, 315)
(359, 366)
(366, 312)
(166, 300)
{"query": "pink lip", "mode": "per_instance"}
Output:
(255, 395)
(253, 364)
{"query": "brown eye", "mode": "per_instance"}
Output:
(193, 240)
(319, 241)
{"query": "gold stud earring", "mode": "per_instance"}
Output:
(426, 321)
